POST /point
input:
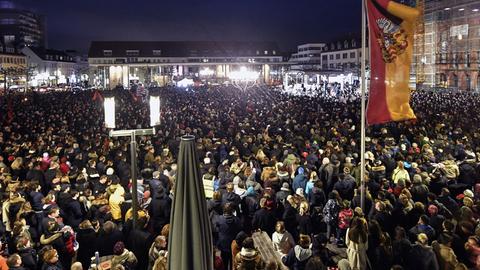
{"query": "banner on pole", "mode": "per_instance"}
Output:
(391, 27)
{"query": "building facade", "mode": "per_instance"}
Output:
(20, 27)
(120, 63)
(447, 49)
(344, 55)
(308, 56)
(50, 67)
(13, 70)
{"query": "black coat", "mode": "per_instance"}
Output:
(73, 213)
(87, 240)
(139, 242)
(105, 242)
(227, 227)
(264, 220)
(159, 211)
(421, 258)
(29, 258)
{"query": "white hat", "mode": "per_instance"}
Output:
(206, 160)
(468, 193)
(299, 192)
(110, 171)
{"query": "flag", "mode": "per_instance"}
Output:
(391, 27)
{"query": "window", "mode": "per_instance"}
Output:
(345, 44)
(258, 52)
(157, 52)
(324, 57)
(331, 56)
(337, 56)
(331, 65)
(107, 52)
(265, 52)
(352, 55)
(274, 52)
(345, 55)
(354, 43)
(332, 46)
(339, 45)
(132, 52)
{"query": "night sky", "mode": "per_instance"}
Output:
(72, 24)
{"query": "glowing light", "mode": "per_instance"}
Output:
(185, 83)
(206, 72)
(244, 78)
(475, 10)
(154, 111)
(461, 9)
(447, 8)
(109, 108)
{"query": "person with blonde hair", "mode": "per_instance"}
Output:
(304, 220)
(400, 173)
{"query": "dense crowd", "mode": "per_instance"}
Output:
(286, 165)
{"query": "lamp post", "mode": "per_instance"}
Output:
(109, 109)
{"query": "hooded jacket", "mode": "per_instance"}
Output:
(297, 258)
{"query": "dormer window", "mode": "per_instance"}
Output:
(132, 52)
(107, 52)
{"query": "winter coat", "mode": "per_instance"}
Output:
(227, 226)
(36, 200)
(105, 242)
(401, 249)
(419, 193)
(297, 258)
(248, 259)
(56, 266)
(87, 245)
(305, 225)
(468, 175)
(29, 258)
(451, 169)
(231, 197)
(422, 258)
(139, 241)
(300, 181)
(400, 174)
(73, 213)
(356, 253)
(127, 259)
(264, 220)
(330, 212)
(115, 200)
(282, 242)
(447, 260)
(159, 211)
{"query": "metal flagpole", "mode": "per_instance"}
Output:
(362, 121)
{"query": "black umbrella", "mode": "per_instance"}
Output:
(190, 239)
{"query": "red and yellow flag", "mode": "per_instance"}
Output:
(391, 28)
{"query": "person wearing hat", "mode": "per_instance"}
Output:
(283, 193)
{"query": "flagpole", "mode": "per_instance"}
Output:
(362, 121)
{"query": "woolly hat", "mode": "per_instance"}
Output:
(285, 187)
(299, 192)
(301, 170)
(118, 248)
(468, 193)
(110, 171)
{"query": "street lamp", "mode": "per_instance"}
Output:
(109, 107)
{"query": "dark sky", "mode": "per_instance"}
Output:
(72, 24)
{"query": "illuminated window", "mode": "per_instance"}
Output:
(157, 52)
(132, 52)
(107, 52)
(265, 52)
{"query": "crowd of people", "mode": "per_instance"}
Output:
(286, 165)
